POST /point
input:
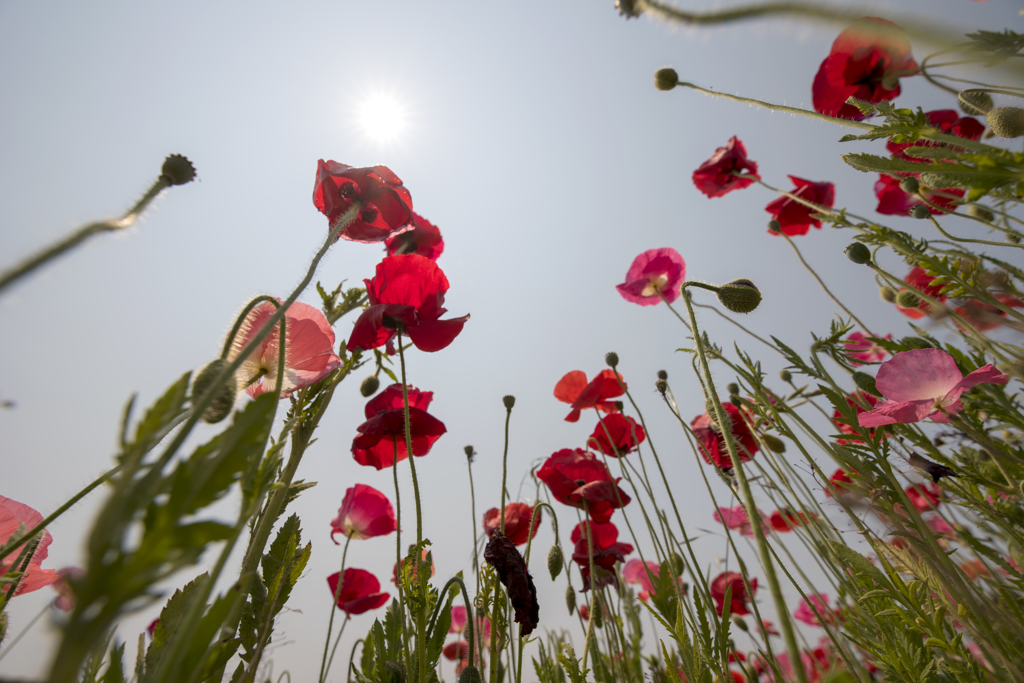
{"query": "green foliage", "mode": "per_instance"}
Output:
(571, 665)
(1000, 46)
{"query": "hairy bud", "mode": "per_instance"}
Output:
(888, 294)
(470, 674)
(919, 211)
(739, 296)
(675, 562)
(774, 226)
(177, 170)
(662, 386)
(598, 614)
(470, 453)
(774, 443)
(786, 376)
(1006, 122)
(369, 386)
(662, 374)
(611, 358)
(508, 401)
(858, 253)
(555, 561)
(570, 599)
(907, 299)
(737, 620)
(732, 388)
(979, 211)
(224, 400)
(974, 102)
(666, 79)
(910, 185)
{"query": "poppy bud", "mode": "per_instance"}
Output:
(470, 674)
(739, 296)
(774, 443)
(786, 376)
(555, 561)
(662, 374)
(509, 401)
(919, 211)
(570, 599)
(662, 386)
(468, 450)
(907, 299)
(224, 400)
(177, 170)
(890, 81)
(676, 564)
(736, 400)
(774, 226)
(974, 102)
(630, 9)
(739, 623)
(888, 294)
(979, 211)
(858, 253)
(666, 79)
(369, 386)
(598, 615)
(865, 382)
(732, 388)
(394, 672)
(910, 185)
(1006, 122)
(611, 358)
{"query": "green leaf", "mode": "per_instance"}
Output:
(115, 670)
(567, 658)
(436, 638)
(170, 620)
(847, 557)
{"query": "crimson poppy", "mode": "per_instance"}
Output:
(408, 291)
(837, 483)
(787, 520)
(794, 217)
(577, 478)
(606, 551)
(360, 591)
(948, 121)
(719, 175)
(365, 512)
(894, 201)
(574, 390)
(625, 433)
(738, 598)
(385, 204)
(925, 496)
(922, 282)
(424, 239)
(866, 61)
(384, 429)
(517, 522)
(714, 451)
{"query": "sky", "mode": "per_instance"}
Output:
(530, 133)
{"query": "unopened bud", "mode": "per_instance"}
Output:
(907, 299)
(662, 386)
(858, 253)
(739, 296)
(865, 382)
(470, 674)
(736, 400)
(676, 564)
(619, 405)
(630, 9)
(890, 81)
(1006, 122)
(974, 102)
(774, 443)
(979, 211)
(662, 374)
(919, 211)
(786, 376)
(910, 185)
(611, 358)
(177, 170)
(369, 386)
(555, 561)
(774, 226)
(733, 388)
(738, 622)
(666, 79)
(508, 401)
(468, 450)
(887, 293)
(598, 614)
(224, 400)
(570, 599)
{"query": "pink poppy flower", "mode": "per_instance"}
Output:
(940, 527)
(860, 348)
(459, 619)
(386, 204)
(736, 518)
(65, 600)
(805, 614)
(365, 512)
(517, 522)
(424, 239)
(922, 282)
(739, 598)
(924, 497)
(893, 201)
(654, 272)
(457, 650)
(360, 591)
(574, 389)
(459, 622)
(308, 354)
(719, 175)
(923, 383)
(384, 429)
(982, 316)
(796, 218)
(626, 435)
(635, 572)
(17, 518)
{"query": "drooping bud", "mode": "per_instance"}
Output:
(662, 374)
(888, 294)
(224, 400)
(676, 564)
(369, 386)
(739, 296)
(865, 382)
(907, 299)
(508, 401)
(470, 674)
(910, 185)
(737, 621)
(786, 376)
(974, 102)
(858, 253)
(979, 211)
(570, 599)
(919, 211)
(1006, 122)
(555, 561)
(666, 79)
(736, 400)
(733, 388)
(598, 614)
(774, 443)
(611, 358)
(774, 226)
(177, 170)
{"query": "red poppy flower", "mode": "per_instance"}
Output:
(604, 534)
(424, 239)
(975, 569)
(787, 520)
(714, 451)
(948, 121)
(794, 217)
(308, 351)
(866, 61)
(925, 497)
(408, 290)
(457, 650)
(517, 522)
(574, 390)
(847, 429)
(893, 201)
(837, 481)
(384, 428)
(365, 512)
(607, 551)
(577, 478)
(983, 316)
(921, 281)
(738, 601)
(360, 591)
(625, 433)
(654, 274)
(718, 176)
(386, 204)
(16, 518)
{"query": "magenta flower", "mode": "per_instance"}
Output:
(308, 352)
(365, 512)
(65, 600)
(860, 348)
(17, 517)
(459, 619)
(923, 383)
(654, 272)
(360, 591)
(805, 614)
(635, 572)
(737, 519)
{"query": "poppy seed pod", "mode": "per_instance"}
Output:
(177, 170)
(662, 386)
(858, 253)
(739, 296)
(974, 102)
(470, 674)
(774, 443)
(555, 561)
(662, 374)
(570, 599)
(865, 382)
(611, 358)
(369, 386)
(508, 401)
(774, 226)
(786, 376)
(666, 79)
(910, 185)
(1006, 122)
(888, 294)
(907, 299)
(979, 211)
(224, 400)
(920, 211)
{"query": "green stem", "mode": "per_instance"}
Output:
(825, 287)
(351, 658)
(504, 470)
(334, 608)
(398, 550)
(334, 649)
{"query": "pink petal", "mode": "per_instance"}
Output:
(983, 375)
(892, 412)
(918, 374)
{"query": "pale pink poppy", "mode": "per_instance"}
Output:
(365, 512)
(923, 383)
(860, 348)
(65, 600)
(737, 519)
(308, 355)
(458, 619)
(635, 572)
(654, 272)
(17, 518)
(805, 614)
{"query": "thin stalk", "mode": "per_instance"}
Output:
(28, 626)
(351, 658)
(334, 649)
(334, 608)
(504, 467)
(398, 549)
(824, 286)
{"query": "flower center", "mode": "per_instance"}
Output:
(655, 285)
(347, 191)
(369, 215)
(580, 482)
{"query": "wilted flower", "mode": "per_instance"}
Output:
(574, 389)
(360, 591)
(625, 433)
(794, 217)
(720, 175)
(517, 522)
(365, 512)
(384, 429)
(386, 206)
(501, 554)
(17, 518)
(654, 274)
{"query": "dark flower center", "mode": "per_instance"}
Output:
(347, 191)
(369, 215)
(580, 482)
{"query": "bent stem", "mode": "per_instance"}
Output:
(825, 287)
(334, 607)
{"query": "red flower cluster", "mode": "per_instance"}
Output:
(794, 217)
(424, 239)
(866, 61)
(384, 429)
(947, 121)
(574, 390)
(921, 281)
(714, 451)
(720, 175)
(517, 522)
(925, 496)
(893, 201)
(577, 478)
(385, 204)
(626, 435)
(738, 598)
(607, 551)
(360, 591)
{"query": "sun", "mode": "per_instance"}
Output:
(382, 117)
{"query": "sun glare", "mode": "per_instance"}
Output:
(382, 117)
